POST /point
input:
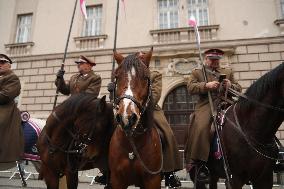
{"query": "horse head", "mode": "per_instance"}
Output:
(133, 88)
(93, 127)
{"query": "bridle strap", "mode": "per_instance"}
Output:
(236, 93)
(236, 125)
(118, 99)
(141, 107)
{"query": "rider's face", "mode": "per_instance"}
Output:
(212, 63)
(84, 67)
(4, 66)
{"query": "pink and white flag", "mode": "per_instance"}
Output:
(192, 22)
(83, 8)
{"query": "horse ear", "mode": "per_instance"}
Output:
(118, 57)
(102, 104)
(147, 57)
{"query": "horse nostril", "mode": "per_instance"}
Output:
(118, 118)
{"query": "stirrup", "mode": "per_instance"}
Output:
(202, 174)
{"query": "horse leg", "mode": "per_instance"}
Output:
(72, 180)
(264, 182)
(152, 182)
(51, 179)
(213, 182)
(116, 182)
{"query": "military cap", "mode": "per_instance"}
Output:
(83, 59)
(214, 53)
(5, 58)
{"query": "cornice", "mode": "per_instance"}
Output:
(177, 49)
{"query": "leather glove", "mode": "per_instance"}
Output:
(111, 87)
(60, 73)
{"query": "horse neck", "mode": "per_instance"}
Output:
(261, 122)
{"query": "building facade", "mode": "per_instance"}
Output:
(34, 34)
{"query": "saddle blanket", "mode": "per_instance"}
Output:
(31, 133)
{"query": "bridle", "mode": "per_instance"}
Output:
(252, 144)
(142, 107)
(80, 141)
(77, 146)
(133, 132)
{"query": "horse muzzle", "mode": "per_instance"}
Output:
(127, 122)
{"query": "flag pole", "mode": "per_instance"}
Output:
(192, 22)
(111, 95)
(65, 51)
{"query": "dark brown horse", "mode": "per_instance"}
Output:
(248, 133)
(76, 137)
(135, 156)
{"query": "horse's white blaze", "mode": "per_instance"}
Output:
(127, 102)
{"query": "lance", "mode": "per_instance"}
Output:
(111, 95)
(65, 51)
(193, 23)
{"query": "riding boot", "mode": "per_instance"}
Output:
(171, 180)
(101, 179)
(199, 169)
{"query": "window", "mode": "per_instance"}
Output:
(23, 28)
(92, 26)
(282, 8)
(168, 14)
(198, 9)
(157, 63)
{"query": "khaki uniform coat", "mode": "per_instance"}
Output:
(88, 83)
(11, 134)
(172, 160)
(197, 143)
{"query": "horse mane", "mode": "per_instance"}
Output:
(77, 104)
(133, 61)
(259, 88)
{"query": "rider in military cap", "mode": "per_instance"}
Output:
(84, 81)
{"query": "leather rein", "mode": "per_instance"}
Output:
(237, 125)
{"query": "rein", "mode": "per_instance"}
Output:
(132, 143)
(75, 138)
(236, 93)
(236, 125)
(70, 149)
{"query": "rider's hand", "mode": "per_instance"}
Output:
(212, 85)
(60, 73)
(110, 87)
(227, 83)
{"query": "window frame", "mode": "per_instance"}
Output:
(166, 22)
(96, 21)
(197, 7)
(282, 9)
(24, 27)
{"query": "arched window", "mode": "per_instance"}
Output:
(178, 106)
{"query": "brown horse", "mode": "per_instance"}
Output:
(76, 137)
(135, 156)
(248, 134)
